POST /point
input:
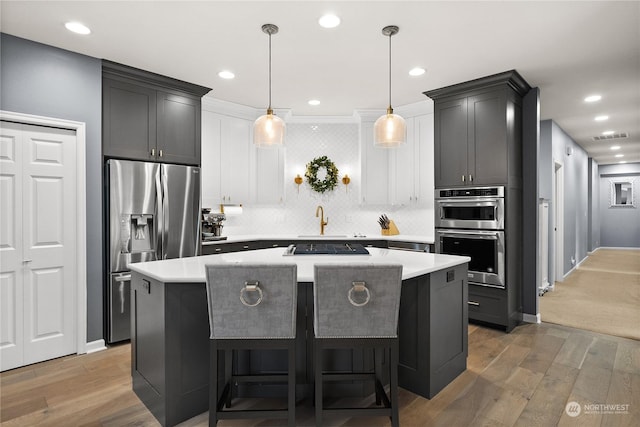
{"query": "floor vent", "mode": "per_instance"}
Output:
(620, 135)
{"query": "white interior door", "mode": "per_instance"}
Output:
(11, 268)
(39, 281)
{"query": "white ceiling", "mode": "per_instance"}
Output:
(568, 49)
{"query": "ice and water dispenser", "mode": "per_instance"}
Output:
(137, 233)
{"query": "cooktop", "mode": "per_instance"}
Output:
(327, 249)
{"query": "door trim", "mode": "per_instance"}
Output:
(81, 212)
(558, 220)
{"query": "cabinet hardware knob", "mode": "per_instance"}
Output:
(153, 152)
(476, 304)
(463, 178)
(160, 153)
(470, 178)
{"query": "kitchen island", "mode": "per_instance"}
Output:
(170, 330)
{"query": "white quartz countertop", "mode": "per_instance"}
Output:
(192, 269)
(350, 237)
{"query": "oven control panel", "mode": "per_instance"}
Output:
(471, 192)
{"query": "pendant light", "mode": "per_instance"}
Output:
(268, 130)
(390, 129)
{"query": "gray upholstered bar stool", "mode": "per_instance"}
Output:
(356, 306)
(251, 307)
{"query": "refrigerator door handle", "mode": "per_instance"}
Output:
(164, 206)
(159, 214)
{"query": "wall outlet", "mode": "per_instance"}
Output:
(348, 219)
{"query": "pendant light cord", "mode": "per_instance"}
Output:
(269, 71)
(389, 71)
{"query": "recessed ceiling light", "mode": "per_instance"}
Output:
(619, 155)
(225, 74)
(77, 28)
(417, 71)
(615, 147)
(608, 132)
(622, 161)
(314, 102)
(601, 118)
(329, 21)
(593, 98)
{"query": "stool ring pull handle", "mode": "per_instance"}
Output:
(250, 286)
(359, 287)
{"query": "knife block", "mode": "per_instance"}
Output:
(392, 230)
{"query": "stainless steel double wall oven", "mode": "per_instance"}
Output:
(470, 222)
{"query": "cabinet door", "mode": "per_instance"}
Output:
(403, 163)
(269, 180)
(375, 168)
(234, 159)
(451, 143)
(178, 129)
(129, 120)
(211, 142)
(423, 131)
(487, 138)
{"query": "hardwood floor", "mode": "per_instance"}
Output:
(525, 378)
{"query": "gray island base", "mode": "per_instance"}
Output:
(170, 329)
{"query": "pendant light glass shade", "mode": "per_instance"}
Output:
(390, 130)
(268, 130)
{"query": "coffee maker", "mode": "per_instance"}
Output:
(212, 225)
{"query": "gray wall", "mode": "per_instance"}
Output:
(594, 206)
(45, 81)
(619, 226)
(557, 146)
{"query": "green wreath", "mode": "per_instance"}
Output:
(331, 179)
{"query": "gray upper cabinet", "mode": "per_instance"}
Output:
(179, 129)
(129, 120)
(478, 131)
(150, 117)
(450, 142)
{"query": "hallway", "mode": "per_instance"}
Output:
(601, 295)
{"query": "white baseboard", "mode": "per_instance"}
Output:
(622, 248)
(97, 345)
(568, 273)
(531, 318)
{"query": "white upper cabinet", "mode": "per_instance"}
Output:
(411, 164)
(225, 159)
(374, 164)
(234, 171)
(235, 159)
(401, 175)
(269, 179)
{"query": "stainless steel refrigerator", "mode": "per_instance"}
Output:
(154, 214)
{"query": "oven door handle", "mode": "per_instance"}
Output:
(474, 234)
(471, 202)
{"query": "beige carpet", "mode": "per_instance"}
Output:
(602, 295)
